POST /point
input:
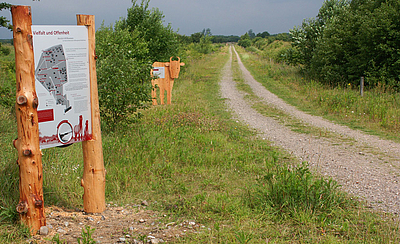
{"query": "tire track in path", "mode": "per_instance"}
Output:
(373, 177)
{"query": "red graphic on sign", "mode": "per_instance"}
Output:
(78, 129)
(45, 115)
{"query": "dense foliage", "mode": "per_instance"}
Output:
(7, 78)
(200, 43)
(223, 39)
(196, 37)
(261, 40)
(162, 41)
(125, 55)
(7, 67)
(348, 40)
(4, 22)
(274, 47)
(123, 70)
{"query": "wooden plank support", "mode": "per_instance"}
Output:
(94, 174)
(31, 205)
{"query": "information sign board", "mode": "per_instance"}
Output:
(159, 72)
(62, 84)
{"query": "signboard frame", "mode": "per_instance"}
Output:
(62, 84)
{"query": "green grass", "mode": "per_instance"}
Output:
(377, 112)
(191, 161)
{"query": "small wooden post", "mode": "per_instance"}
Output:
(31, 205)
(93, 180)
(362, 86)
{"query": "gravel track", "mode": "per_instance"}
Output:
(368, 167)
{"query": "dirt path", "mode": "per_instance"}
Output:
(368, 167)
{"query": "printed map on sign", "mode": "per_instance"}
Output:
(51, 72)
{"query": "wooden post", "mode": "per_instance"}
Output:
(362, 86)
(30, 207)
(93, 181)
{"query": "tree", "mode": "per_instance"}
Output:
(222, 39)
(245, 40)
(125, 56)
(306, 36)
(3, 21)
(251, 34)
(207, 32)
(196, 37)
(263, 35)
(161, 40)
(361, 39)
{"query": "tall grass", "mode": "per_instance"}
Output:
(191, 161)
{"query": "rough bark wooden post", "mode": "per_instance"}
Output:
(93, 180)
(30, 207)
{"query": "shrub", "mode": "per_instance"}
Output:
(289, 191)
(244, 43)
(7, 84)
(123, 74)
(126, 53)
(161, 40)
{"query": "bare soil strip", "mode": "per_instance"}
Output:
(368, 168)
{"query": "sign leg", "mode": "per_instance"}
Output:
(94, 174)
(31, 205)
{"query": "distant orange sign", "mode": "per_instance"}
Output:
(164, 75)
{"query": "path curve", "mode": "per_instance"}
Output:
(373, 175)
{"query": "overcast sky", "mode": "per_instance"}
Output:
(223, 17)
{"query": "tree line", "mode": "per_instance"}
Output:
(262, 38)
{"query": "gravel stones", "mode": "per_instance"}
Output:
(128, 224)
(44, 230)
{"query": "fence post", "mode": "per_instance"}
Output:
(93, 180)
(362, 86)
(30, 207)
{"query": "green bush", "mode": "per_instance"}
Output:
(123, 72)
(126, 53)
(161, 40)
(204, 46)
(244, 43)
(7, 84)
(4, 50)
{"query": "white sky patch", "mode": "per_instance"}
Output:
(223, 17)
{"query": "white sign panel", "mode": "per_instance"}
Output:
(62, 84)
(159, 72)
